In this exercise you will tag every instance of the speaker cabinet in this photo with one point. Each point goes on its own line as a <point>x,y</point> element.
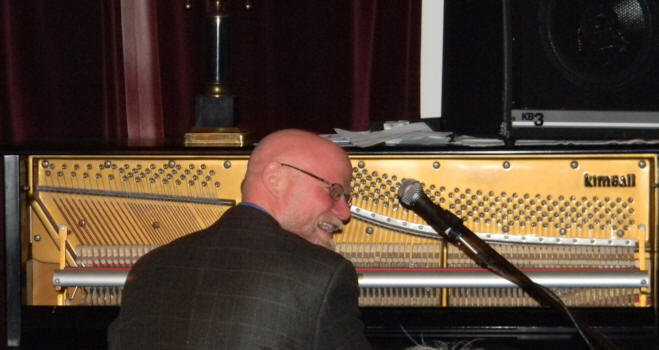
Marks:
<point>562,69</point>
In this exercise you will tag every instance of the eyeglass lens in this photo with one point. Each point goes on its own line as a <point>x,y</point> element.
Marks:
<point>337,192</point>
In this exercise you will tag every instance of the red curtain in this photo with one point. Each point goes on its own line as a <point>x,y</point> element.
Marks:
<point>60,63</point>
<point>310,64</point>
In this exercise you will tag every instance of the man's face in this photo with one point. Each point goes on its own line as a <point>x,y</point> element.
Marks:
<point>310,211</point>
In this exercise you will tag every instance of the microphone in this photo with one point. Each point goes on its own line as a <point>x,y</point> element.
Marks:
<point>451,227</point>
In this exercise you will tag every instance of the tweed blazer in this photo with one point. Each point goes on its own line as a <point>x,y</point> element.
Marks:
<point>242,283</point>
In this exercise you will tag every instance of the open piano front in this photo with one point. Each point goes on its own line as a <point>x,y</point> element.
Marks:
<point>580,222</point>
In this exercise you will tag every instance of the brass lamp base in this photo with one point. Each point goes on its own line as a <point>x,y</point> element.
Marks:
<point>217,137</point>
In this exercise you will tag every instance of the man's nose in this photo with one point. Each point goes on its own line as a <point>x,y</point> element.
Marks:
<point>341,209</point>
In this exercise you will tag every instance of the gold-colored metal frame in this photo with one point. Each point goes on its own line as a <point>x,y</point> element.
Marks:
<point>493,193</point>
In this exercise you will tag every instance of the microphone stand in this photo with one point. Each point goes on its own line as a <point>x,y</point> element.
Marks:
<point>452,229</point>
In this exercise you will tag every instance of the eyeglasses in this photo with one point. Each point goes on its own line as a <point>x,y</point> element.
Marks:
<point>336,191</point>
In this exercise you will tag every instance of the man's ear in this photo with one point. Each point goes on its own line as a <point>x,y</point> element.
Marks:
<point>274,180</point>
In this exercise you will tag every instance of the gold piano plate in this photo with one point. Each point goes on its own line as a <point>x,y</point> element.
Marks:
<point>561,213</point>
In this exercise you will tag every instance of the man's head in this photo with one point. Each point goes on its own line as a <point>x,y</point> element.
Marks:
<point>294,175</point>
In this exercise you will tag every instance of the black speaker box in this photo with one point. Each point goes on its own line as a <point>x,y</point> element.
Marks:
<point>551,69</point>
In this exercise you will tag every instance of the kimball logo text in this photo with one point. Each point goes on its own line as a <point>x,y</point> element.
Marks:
<point>628,180</point>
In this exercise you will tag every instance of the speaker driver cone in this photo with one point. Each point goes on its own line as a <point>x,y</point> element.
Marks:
<point>600,45</point>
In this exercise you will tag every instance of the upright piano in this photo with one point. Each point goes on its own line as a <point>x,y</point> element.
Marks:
<point>580,221</point>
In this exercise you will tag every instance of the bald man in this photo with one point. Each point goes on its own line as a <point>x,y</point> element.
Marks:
<point>265,275</point>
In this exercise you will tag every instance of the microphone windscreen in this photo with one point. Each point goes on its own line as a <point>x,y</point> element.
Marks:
<point>409,191</point>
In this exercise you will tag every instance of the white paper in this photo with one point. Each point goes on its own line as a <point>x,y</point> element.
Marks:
<point>466,140</point>
<point>413,133</point>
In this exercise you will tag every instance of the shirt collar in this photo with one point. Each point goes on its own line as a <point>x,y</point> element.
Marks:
<point>252,205</point>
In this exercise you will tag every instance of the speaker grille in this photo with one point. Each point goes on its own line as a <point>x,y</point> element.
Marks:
<point>600,45</point>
